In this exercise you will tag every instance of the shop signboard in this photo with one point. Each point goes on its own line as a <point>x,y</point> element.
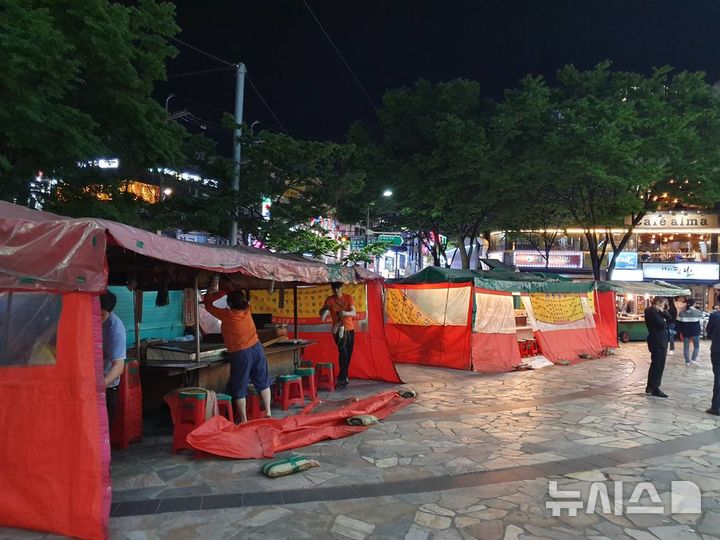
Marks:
<point>682,271</point>
<point>558,259</point>
<point>690,219</point>
<point>626,275</point>
<point>627,260</point>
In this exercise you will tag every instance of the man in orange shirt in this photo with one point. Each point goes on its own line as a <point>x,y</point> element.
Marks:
<point>341,307</point>
<point>247,357</point>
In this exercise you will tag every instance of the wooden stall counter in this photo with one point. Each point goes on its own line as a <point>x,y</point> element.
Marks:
<point>173,365</point>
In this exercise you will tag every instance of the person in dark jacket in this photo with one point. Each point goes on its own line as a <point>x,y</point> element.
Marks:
<point>657,342</point>
<point>713,332</point>
<point>689,322</point>
<point>671,314</point>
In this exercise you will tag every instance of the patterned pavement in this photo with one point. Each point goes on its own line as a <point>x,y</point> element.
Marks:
<point>471,458</point>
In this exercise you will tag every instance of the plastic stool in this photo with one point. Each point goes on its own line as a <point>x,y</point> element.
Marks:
<point>289,391</point>
<point>225,407</point>
<point>307,374</point>
<point>190,415</point>
<point>253,404</point>
<point>325,379</point>
<point>306,364</point>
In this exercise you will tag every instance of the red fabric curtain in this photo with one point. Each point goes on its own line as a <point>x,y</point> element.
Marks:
<point>55,451</point>
<point>606,318</point>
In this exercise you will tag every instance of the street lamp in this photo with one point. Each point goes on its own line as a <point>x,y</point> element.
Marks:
<point>386,193</point>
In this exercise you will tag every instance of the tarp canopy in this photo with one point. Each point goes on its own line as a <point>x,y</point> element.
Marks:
<point>496,280</point>
<point>44,251</point>
<point>654,288</point>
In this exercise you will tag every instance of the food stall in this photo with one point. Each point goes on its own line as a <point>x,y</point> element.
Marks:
<point>53,268</point>
<point>631,300</point>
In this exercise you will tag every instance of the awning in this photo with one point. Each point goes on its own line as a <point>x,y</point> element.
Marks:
<point>44,251</point>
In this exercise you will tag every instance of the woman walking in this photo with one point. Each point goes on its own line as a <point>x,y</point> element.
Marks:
<point>689,322</point>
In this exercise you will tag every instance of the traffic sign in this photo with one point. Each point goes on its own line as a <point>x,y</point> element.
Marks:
<point>392,239</point>
<point>357,242</point>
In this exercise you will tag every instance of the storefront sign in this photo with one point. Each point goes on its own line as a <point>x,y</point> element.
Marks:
<point>558,259</point>
<point>626,275</point>
<point>627,260</point>
<point>678,220</point>
<point>684,271</point>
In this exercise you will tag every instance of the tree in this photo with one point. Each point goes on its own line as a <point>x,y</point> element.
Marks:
<point>76,79</point>
<point>622,144</point>
<point>432,142</point>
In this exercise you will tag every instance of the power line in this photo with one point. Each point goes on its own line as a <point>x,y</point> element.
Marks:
<point>266,105</point>
<point>341,56</point>
<point>209,55</point>
<point>191,73</point>
<point>201,104</point>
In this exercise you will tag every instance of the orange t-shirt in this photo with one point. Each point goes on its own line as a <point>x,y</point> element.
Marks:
<point>238,327</point>
<point>336,305</point>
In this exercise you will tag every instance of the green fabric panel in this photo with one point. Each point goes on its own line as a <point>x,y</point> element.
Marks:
<point>164,322</point>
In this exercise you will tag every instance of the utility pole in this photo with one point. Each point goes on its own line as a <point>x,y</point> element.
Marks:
<point>239,96</point>
<point>367,230</point>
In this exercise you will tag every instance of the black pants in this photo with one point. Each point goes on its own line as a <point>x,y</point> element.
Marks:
<point>715,359</point>
<point>345,354</point>
<point>657,366</point>
<point>111,399</point>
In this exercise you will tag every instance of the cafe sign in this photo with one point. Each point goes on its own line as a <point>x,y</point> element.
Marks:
<point>684,271</point>
<point>678,220</point>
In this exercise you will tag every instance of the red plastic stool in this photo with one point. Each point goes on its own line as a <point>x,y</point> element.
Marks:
<point>289,391</point>
<point>307,374</point>
<point>190,414</point>
<point>253,405</point>
<point>225,407</point>
<point>325,376</point>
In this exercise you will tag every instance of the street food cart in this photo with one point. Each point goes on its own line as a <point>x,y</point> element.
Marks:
<point>631,300</point>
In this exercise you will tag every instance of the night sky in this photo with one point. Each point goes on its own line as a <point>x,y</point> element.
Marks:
<point>392,43</point>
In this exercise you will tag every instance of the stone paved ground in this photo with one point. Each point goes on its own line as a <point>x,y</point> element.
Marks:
<point>471,458</point>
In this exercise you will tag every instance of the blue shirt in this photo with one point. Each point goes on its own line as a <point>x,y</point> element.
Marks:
<point>114,344</point>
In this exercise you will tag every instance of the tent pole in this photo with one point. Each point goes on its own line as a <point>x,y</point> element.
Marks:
<point>137,316</point>
<point>197,317</point>
<point>295,311</point>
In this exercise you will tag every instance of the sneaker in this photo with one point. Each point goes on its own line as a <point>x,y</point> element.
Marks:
<point>648,390</point>
<point>713,411</point>
<point>658,393</point>
<point>671,352</point>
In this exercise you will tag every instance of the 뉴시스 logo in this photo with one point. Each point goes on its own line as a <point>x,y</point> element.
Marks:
<point>685,498</point>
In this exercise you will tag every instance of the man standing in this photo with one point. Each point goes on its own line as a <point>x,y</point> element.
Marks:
<point>657,342</point>
<point>713,332</point>
<point>341,308</point>
<point>114,351</point>
<point>246,353</point>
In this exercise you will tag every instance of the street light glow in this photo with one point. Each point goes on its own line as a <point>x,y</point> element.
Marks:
<point>167,191</point>
<point>387,193</point>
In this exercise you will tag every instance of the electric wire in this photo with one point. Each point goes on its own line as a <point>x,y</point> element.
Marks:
<point>340,54</point>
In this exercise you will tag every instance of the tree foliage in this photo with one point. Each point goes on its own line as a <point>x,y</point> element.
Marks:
<point>75,81</point>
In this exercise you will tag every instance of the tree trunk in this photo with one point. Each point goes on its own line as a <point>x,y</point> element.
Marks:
<point>594,259</point>
<point>624,240</point>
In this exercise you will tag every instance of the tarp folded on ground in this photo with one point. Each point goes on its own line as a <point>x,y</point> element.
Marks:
<point>264,438</point>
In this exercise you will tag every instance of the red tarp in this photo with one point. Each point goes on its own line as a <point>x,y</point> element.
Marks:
<point>55,452</point>
<point>263,438</point>
<point>67,246</point>
<point>606,318</point>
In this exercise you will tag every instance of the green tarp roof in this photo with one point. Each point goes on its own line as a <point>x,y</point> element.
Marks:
<point>496,280</point>
<point>655,288</point>
<point>501,280</point>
